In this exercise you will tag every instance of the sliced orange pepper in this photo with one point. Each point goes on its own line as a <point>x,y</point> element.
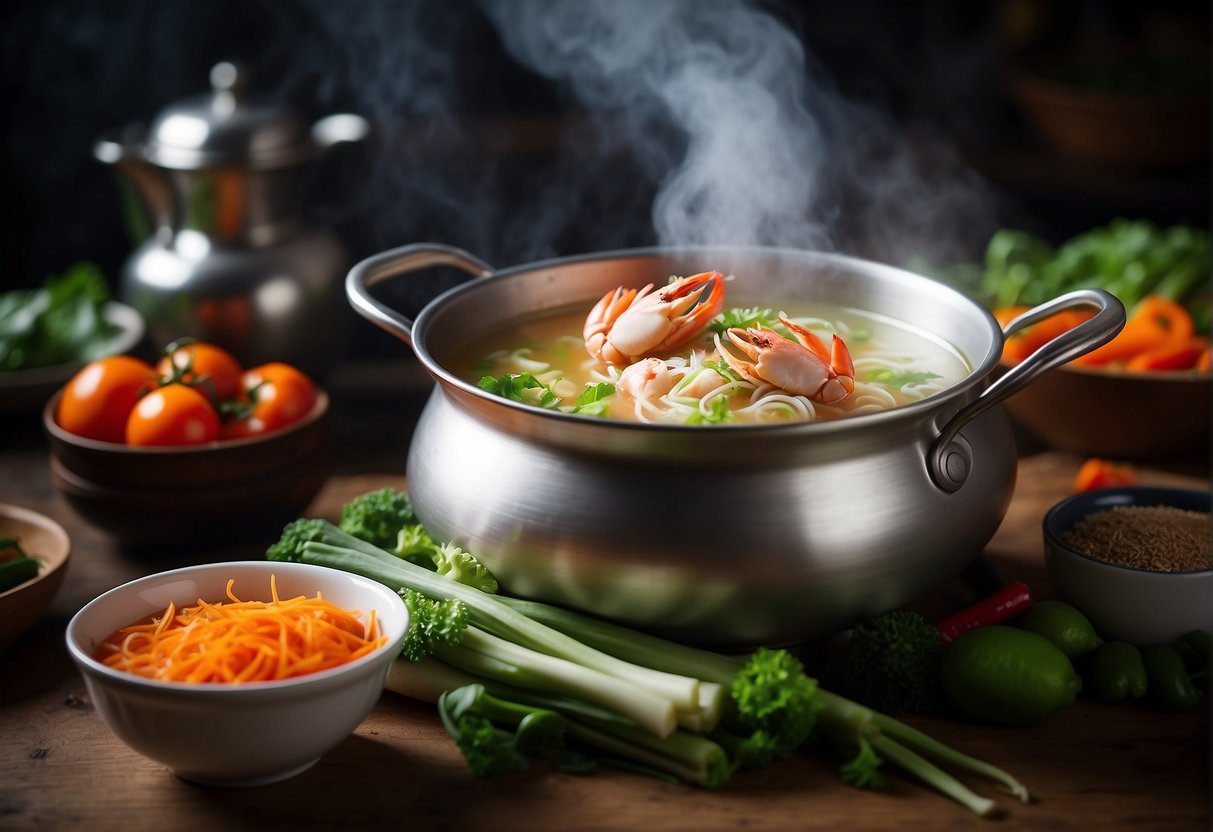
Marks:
<point>1025,342</point>
<point>1156,322</point>
<point>1183,356</point>
<point>1101,473</point>
<point>1203,363</point>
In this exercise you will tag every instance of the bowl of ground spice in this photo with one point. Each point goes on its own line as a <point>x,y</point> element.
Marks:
<point>1136,560</point>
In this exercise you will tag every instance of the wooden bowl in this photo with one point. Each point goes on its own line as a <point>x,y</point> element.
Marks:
<point>1118,414</point>
<point>1116,130</point>
<point>226,493</point>
<point>43,538</point>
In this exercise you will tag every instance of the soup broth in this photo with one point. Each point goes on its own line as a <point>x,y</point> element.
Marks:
<point>543,360</point>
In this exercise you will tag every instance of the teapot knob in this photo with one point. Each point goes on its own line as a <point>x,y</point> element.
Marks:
<point>228,76</point>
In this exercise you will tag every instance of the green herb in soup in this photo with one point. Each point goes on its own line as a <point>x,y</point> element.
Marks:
<point>746,365</point>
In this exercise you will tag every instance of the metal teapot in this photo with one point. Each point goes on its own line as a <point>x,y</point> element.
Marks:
<point>230,260</point>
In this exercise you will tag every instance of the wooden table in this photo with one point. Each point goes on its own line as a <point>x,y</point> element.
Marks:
<point>1091,767</point>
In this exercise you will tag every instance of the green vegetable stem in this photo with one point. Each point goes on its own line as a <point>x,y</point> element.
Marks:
<point>509,674</point>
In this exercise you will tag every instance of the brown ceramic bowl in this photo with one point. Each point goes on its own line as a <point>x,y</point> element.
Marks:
<point>1118,414</point>
<point>226,493</point>
<point>40,537</point>
<point>1117,130</point>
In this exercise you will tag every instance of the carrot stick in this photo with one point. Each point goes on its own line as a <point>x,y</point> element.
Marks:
<point>1101,473</point>
<point>1156,322</point>
<point>1170,356</point>
<point>1028,340</point>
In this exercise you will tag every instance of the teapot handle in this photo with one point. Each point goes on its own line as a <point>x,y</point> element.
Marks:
<point>124,152</point>
<point>396,262</point>
<point>949,458</point>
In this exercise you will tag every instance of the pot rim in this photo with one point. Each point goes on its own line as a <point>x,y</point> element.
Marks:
<point>910,411</point>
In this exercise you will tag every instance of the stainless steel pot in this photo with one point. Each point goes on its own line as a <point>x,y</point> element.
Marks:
<point>726,535</point>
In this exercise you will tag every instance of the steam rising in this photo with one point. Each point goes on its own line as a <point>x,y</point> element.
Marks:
<point>771,153</point>
<point>693,122</point>
<point>726,80</point>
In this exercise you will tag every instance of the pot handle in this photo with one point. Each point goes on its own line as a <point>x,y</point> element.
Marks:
<point>950,457</point>
<point>393,263</point>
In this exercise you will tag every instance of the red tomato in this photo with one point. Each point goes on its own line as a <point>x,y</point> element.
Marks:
<point>172,415</point>
<point>99,398</point>
<point>278,395</point>
<point>218,369</point>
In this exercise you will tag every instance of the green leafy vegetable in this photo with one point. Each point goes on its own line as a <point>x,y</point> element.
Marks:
<point>889,377</point>
<point>62,322</point>
<point>718,413</point>
<point>743,318</point>
<point>1129,258</point>
<point>516,386</point>
<point>593,399</point>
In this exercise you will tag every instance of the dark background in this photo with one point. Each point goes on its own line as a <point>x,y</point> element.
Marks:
<point>467,141</point>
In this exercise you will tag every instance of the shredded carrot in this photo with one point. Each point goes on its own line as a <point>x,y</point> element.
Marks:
<point>241,641</point>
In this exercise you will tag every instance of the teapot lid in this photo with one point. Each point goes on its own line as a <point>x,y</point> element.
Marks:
<point>227,128</point>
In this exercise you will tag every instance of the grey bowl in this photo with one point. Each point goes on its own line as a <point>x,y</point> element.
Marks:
<point>1123,603</point>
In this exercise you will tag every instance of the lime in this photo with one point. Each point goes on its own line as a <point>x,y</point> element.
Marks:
<point>1063,625</point>
<point>1008,675</point>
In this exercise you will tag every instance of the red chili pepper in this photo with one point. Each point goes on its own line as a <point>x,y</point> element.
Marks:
<point>1003,605</point>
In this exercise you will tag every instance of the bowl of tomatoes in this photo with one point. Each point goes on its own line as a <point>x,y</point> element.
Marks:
<point>192,451</point>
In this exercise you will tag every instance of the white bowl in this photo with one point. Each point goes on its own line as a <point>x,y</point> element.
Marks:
<point>236,735</point>
<point>1123,603</point>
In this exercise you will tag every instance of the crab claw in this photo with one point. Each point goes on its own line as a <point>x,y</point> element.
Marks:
<point>627,324</point>
<point>804,367</point>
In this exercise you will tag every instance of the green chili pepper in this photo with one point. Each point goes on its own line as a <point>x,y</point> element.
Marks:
<point>1197,650</point>
<point>1116,672</point>
<point>1171,688</point>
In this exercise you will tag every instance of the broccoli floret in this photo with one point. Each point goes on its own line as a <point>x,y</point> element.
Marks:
<point>432,622</point>
<point>460,566</point>
<point>414,544</point>
<point>891,664</point>
<point>378,516</point>
<point>478,722</point>
<point>777,703</point>
<point>863,772</point>
<point>298,533</point>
